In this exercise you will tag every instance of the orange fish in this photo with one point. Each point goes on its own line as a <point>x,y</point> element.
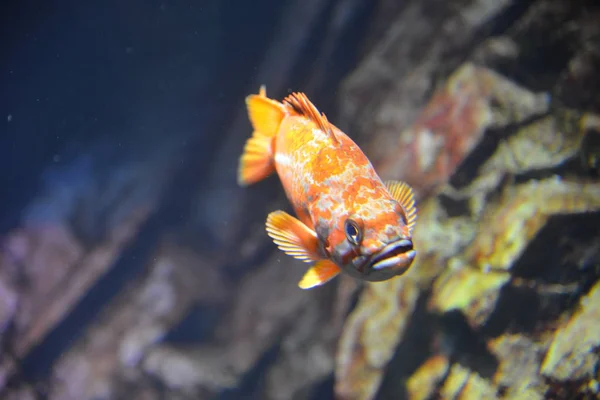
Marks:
<point>348,219</point>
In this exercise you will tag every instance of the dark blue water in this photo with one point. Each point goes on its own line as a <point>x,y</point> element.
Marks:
<point>89,88</point>
<point>74,73</point>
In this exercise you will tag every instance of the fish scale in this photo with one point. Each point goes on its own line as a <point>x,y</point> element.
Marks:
<point>348,219</point>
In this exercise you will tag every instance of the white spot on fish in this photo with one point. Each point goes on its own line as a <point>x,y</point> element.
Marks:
<point>282,159</point>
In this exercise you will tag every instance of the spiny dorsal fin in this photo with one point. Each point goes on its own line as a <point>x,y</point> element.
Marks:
<point>302,105</point>
<point>404,195</point>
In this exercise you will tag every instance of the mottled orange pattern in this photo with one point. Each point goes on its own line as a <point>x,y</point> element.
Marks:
<point>331,185</point>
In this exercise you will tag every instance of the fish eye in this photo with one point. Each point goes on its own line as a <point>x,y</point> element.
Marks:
<point>353,232</point>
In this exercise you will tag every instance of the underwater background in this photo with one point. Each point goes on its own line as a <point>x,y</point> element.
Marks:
<point>133,266</point>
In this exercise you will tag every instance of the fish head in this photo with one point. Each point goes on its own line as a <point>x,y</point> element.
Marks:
<point>373,243</point>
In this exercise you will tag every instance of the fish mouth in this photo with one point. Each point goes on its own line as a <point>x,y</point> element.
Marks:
<point>397,255</point>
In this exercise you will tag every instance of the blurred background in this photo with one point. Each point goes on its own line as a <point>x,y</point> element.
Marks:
<point>132,266</point>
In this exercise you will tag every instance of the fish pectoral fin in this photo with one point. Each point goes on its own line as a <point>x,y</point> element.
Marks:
<point>404,195</point>
<point>292,236</point>
<point>322,272</point>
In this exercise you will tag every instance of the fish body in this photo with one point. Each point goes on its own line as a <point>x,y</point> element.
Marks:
<point>347,218</point>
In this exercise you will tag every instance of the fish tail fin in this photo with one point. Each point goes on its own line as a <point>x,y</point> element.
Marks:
<point>256,162</point>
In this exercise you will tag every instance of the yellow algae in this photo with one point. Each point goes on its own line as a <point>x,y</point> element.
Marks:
<point>460,289</point>
<point>422,384</point>
<point>571,354</point>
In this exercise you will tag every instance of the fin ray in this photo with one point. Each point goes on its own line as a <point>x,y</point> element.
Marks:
<point>265,114</point>
<point>256,162</point>
<point>302,105</point>
<point>403,194</point>
<point>322,272</point>
<point>292,236</point>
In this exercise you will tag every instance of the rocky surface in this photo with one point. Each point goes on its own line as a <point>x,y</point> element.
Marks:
<point>145,272</point>
<point>500,155</point>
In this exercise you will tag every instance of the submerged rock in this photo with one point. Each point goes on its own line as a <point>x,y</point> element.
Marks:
<point>489,109</point>
<point>496,155</point>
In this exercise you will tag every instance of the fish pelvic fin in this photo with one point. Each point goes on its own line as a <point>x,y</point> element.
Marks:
<point>292,236</point>
<point>404,195</point>
<point>322,272</point>
<point>303,106</point>
<point>256,162</point>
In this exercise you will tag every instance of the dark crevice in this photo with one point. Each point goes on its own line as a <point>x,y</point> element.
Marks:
<point>516,311</point>
<point>588,158</point>
<point>554,255</point>
<point>197,326</point>
<point>454,207</point>
<point>470,166</point>
<point>466,346</point>
<point>253,382</point>
<point>410,353</point>
<point>548,279</point>
<point>546,46</point>
<point>324,389</point>
<point>499,24</point>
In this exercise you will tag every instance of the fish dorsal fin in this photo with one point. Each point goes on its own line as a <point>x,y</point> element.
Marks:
<point>303,106</point>
<point>404,195</point>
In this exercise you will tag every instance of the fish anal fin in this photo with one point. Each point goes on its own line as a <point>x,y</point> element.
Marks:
<point>292,236</point>
<point>403,194</point>
<point>303,106</point>
<point>322,272</point>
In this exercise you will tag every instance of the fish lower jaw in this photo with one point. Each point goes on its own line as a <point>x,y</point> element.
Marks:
<point>394,259</point>
<point>398,250</point>
<point>396,263</point>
